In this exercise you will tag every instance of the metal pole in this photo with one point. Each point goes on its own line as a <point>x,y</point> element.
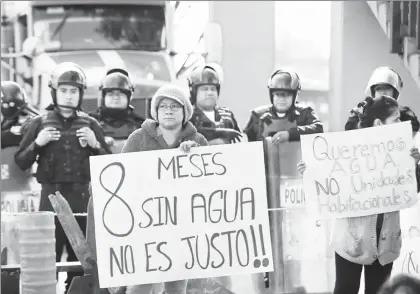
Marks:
<point>11,63</point>
<point>37,253</point>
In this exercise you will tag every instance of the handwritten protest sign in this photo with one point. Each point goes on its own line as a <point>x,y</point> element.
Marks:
<point>360,172</point>
<point>409,261</point>
<point>165,215</point>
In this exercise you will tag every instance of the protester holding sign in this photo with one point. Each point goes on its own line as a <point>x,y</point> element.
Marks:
<point>170,126</point>
<point>284,119</point>
<point>406,114</point>
<point>354,238</point>
<point>171,111</point>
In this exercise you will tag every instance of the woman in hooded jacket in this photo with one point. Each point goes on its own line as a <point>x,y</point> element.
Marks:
<point>169,128</point>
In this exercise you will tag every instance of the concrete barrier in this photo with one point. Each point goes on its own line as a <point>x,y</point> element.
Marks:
<point>37,253</point>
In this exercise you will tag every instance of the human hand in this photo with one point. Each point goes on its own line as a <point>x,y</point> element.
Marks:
<point>86,135</point>
<point>280,137</point>
<point>414,152</point>
<point>301,167</point>
<point>47,135</point>
<point>187,145</point>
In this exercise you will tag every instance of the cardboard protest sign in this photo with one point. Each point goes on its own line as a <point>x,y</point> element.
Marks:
<point>409,260</point>
<point>361,172</point>
<point>165,215</point>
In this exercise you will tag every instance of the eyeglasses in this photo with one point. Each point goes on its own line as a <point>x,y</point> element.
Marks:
<point>172,107</point>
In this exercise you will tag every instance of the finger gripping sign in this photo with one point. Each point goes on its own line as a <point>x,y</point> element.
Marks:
<point>166,215</point>
<point>361,172</point>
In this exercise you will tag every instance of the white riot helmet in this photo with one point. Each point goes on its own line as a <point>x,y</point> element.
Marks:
<point>218,69</point>
<point>67,73</point>
<point>384,76</point>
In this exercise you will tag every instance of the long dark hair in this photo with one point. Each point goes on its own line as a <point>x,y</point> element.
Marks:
<point>406,114</point>
<point>379,108</point>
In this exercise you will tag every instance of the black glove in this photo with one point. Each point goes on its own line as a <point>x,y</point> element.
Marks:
<point>231,135</point>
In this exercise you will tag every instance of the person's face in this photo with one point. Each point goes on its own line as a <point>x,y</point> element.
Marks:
<point>383,89</point>
<point>170,113</point>
<point>116,99</point>
<point>207,97</point>
<point>68,95</point>
<point>282,100</point>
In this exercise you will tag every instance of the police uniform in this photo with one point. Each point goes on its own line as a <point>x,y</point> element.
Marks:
<point>15,113</point>
<point>17,186</point>
<point>380,76</point>
<point>265,122</point>
<point>11,132</point>
<point>117,123</point>
<point>63,165</point>
<point>223,119</point>
<point>297,120</point>
<point>224,126</point>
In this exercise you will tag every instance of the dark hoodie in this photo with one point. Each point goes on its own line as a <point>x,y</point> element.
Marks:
<point>147,138</point>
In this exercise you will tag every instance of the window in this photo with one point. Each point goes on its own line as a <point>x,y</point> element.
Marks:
<point>78,27</point>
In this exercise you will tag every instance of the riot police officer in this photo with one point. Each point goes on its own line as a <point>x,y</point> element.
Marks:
<point>61,141</point>
<point>216,123</point>
<point>284,119</point>
<point>115,114</point>
<point>15,111</point>
<point>18,190</point>
<point>383,81</point>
